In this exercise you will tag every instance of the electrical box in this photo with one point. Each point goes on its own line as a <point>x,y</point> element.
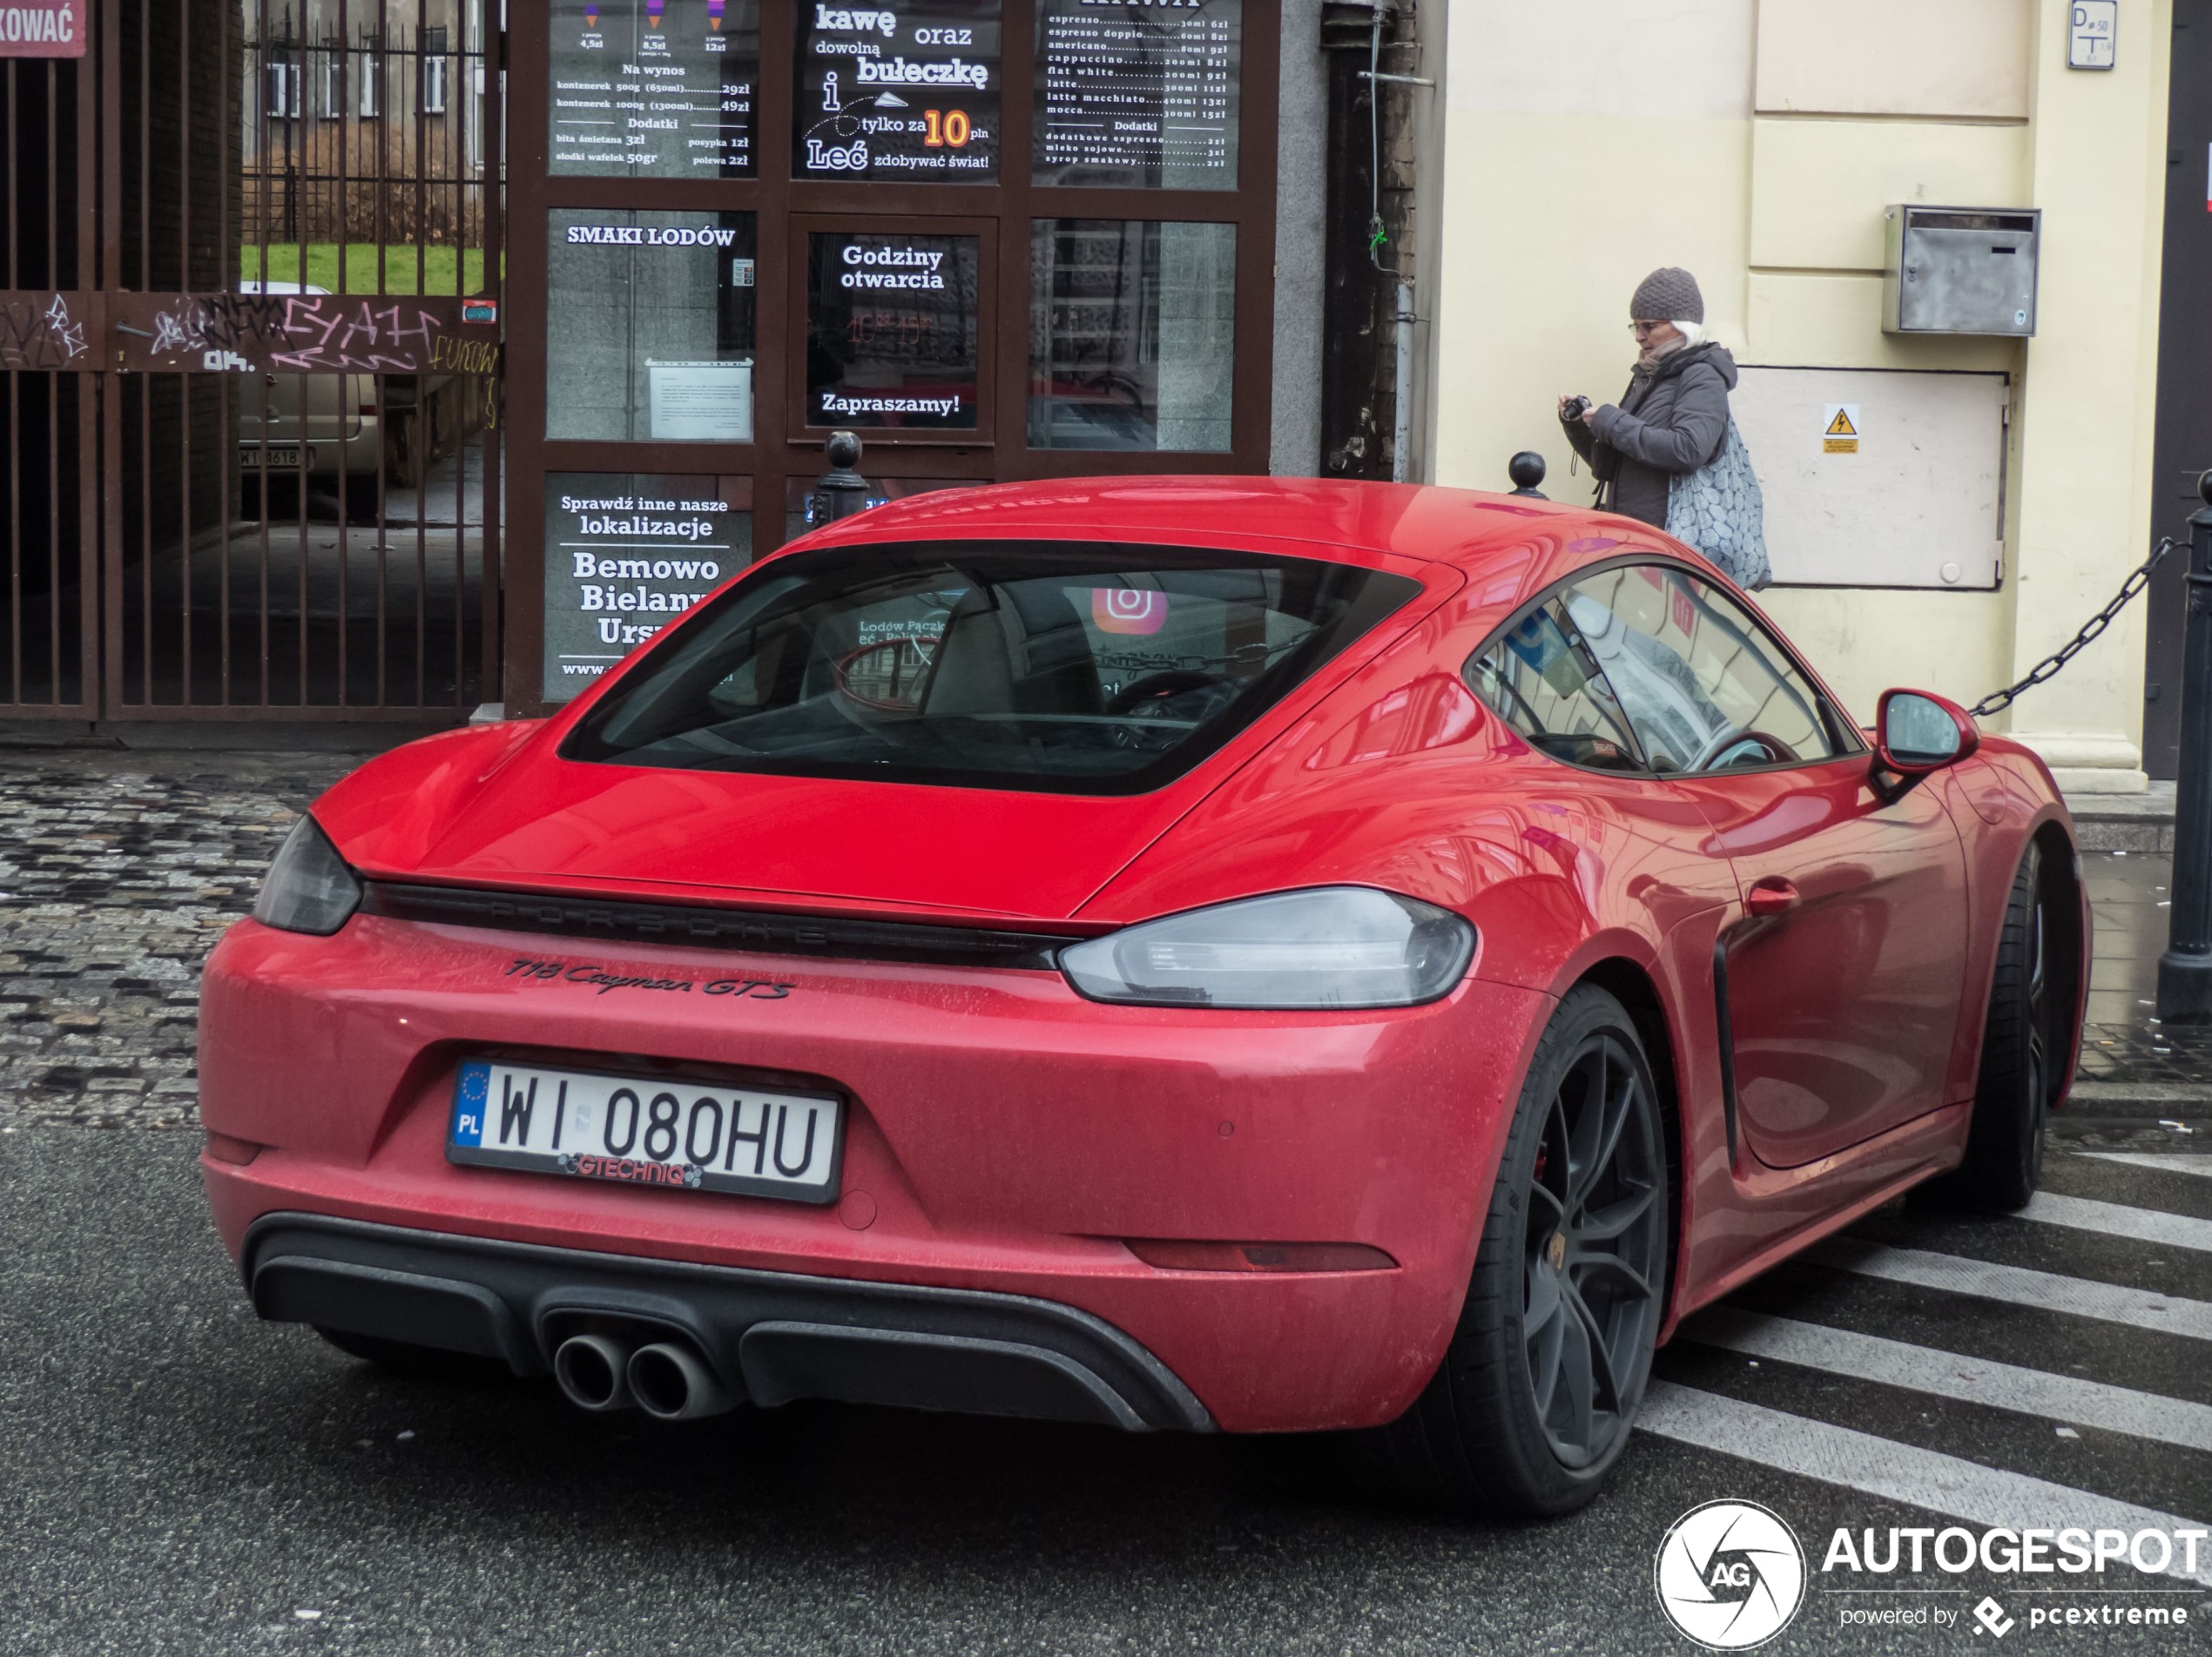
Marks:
<point>1960,270</point>
<point>1878,477</point>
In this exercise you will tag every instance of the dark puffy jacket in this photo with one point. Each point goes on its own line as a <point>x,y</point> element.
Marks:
<point>1671,420</point>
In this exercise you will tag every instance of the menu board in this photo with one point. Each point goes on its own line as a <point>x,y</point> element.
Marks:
<point>626,553</point>
<point>904,89</point>
<point>891,330</point>
<point>653,89</point>
<point>1138,94</point>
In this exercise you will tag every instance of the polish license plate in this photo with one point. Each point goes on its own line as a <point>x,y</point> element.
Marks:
<point>678,1136</point>
<point>278,459</point>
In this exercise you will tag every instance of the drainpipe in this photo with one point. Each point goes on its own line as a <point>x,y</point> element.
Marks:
<point>1401,445</point>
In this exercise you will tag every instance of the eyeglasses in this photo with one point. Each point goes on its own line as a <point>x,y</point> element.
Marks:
<point>1642,328</point>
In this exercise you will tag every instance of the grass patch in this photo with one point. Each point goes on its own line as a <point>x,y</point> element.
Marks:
<point>438,268</point>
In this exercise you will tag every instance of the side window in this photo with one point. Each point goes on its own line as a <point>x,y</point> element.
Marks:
<point>1540,679</point>
<point>1704,687</point>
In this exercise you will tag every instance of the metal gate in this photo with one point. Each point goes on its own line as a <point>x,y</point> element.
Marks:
<point>250,338</point>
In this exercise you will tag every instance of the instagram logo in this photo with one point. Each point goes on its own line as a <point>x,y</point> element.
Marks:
<point>1124,609</point>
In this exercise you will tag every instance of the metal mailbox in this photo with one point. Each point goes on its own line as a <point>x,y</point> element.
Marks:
<point>1960,270</point>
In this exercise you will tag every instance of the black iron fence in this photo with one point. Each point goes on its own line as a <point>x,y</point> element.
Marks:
<point>250,328</point>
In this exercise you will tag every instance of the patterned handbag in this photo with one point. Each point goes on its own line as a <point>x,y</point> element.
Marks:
<point>1718,510</point>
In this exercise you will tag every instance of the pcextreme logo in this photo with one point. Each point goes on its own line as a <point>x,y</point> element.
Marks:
<point>1729,1575</point>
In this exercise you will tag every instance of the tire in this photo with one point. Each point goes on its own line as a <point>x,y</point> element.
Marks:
<point>1520,1420</point>
<point>416,1362</point>
<point>2027,1036</point>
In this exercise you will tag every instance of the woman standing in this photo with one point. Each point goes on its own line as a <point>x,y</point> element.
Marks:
<point>1667,453</point>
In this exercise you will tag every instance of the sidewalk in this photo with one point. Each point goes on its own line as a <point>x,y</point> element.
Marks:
<point>117,873</point>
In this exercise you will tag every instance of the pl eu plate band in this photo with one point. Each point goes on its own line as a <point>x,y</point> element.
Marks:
<point>775,1337</point>
<point>760,931</point>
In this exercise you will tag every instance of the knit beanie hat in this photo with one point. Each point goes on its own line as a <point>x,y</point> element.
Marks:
<point>1668,294</point>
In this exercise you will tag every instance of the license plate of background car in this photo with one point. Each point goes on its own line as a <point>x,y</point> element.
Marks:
<point>677,1136</point>
<point>277,459</point>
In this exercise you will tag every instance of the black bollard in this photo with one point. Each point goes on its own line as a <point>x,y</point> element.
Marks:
<point>841,491</point>
<point>2185,970</point>
<point>1527,471</point>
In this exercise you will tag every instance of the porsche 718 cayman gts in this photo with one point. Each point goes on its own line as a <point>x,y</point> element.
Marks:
<point>1202,954</point>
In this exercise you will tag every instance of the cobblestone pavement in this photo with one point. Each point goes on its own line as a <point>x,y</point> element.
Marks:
<point>117,873</point>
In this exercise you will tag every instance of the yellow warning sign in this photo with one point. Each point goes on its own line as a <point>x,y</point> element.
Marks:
<point>1839,433</point>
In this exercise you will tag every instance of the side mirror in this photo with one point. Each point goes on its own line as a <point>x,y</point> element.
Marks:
<point>1916,733</point>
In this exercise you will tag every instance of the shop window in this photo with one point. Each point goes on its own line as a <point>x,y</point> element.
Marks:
<point>643,90</point>
<point>1132,334</point>
<point>650,325</point>
<point>893,330</point>
<point>897,90</point>
<point>626,554</point>
<point>1137,96</point>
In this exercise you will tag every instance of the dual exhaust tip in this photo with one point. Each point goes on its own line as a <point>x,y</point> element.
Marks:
<point>667,1380</point>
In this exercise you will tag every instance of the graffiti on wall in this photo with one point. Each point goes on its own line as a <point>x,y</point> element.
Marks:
<point>302,333</point>
<point>39,333</point>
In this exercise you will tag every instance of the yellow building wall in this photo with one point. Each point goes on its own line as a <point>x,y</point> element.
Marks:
<point>1757,143</point>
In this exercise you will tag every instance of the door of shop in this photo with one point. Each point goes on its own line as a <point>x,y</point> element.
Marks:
<point>249,330</point>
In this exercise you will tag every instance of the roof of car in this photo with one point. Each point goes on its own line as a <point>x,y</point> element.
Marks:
<point>1442,525</point>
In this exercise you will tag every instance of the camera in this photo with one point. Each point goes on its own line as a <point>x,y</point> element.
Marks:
<point>1575,409</point>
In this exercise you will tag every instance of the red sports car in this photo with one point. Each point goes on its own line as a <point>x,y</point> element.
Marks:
<point>1210,953</point>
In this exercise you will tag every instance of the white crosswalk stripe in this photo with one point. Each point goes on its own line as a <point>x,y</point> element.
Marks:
<point>1880,1467</point>
<point>1982,1300</point>
<point>1951,1375</point>
<point>2016,1285</point>
<point>2199,1166</point>
<point>2153,1226</point>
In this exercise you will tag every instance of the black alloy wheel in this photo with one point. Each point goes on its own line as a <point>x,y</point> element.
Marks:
<point>1538,1388</point>
<point>1595,1245</point>
<point>2027,1041</point>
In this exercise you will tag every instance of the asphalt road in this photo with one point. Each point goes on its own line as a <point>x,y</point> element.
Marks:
<point>177,1478</point>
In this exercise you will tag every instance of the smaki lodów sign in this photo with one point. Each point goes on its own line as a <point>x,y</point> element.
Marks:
<point>41,28</point>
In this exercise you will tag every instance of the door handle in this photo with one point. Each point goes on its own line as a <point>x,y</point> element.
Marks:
<point>1772,896</point>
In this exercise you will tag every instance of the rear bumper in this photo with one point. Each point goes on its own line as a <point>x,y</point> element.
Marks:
<point>1003,1137</point>
<point>773,1338</point>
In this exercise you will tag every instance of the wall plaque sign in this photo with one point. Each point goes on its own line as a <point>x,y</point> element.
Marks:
<point>1138,94</point>
<point>904,89</point>
<point>653,89</point>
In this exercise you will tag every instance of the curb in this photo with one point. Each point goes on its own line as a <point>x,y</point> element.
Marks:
<point>2149,1100</point>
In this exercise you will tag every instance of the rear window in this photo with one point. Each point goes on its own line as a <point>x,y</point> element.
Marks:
<point>1086,669</point>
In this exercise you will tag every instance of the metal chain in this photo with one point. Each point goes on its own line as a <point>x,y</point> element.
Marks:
<point>1998,701</point>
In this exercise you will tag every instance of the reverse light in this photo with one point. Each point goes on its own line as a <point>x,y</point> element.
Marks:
<point>309,887</point>
<point>1323,948</point>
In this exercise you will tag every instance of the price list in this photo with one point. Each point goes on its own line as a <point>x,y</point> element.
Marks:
<point>653,89</point>
<point>1138,93</point>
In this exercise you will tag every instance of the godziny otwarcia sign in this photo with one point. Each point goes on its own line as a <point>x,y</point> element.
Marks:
<point>42,29</point>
